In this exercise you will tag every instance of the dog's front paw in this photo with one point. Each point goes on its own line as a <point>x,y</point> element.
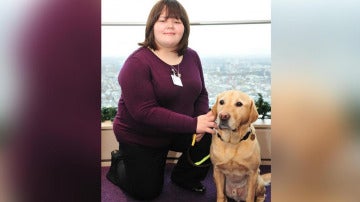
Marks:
<point>221,199</point>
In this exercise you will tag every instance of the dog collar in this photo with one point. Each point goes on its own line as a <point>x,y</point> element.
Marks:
<point>242,139</point>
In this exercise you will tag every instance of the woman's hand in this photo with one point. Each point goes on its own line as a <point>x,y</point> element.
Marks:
<point>205,124</point>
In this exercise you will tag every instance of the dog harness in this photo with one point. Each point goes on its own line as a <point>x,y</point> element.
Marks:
<point>242,139</point>
<point>219,136</point>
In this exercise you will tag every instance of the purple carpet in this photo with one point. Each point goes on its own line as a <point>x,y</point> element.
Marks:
<point>171,192</point>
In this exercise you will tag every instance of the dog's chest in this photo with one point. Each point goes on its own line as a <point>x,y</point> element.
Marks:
<point>236,184</point>
<point>233,156</point>
<point>236,179</point>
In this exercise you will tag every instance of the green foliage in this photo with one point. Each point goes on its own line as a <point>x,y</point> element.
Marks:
<point>263,107</point>
<point>108,113</point>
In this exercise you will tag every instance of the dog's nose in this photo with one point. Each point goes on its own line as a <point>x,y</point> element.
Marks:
<point>224,116</point>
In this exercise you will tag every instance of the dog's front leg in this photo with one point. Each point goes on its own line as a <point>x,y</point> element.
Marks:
<point>252,183</point>
<point>219,180</point>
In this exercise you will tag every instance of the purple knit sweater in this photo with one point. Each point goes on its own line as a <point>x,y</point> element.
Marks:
<point>152,110</point>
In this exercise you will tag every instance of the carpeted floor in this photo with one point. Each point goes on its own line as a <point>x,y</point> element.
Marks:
<point>171,192</point>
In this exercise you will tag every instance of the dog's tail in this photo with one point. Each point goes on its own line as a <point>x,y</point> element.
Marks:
<point>266,178</point>
<point>263,181</point>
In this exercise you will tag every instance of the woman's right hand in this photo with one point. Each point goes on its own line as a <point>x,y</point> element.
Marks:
<point>206,123</point>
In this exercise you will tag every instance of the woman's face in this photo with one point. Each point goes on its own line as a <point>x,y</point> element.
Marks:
<point>168,31</point>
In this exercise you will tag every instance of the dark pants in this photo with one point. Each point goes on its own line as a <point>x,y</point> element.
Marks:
<point>140,171</point>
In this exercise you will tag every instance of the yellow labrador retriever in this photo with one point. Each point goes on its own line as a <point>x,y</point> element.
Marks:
<point>235,151</point>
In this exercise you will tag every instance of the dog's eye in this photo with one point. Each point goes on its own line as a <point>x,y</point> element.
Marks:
<point>221,102</point>
<point>238,104</point>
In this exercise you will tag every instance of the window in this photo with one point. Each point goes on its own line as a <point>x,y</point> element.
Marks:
<point>232,38</point>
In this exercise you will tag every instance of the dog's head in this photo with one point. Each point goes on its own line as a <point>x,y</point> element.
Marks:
<point>234,109</point>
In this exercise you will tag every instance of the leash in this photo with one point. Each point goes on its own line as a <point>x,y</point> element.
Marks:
<point>198,163</point>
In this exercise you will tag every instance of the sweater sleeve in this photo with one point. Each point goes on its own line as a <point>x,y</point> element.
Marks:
<point>140,100</point>
<point>202,103</point>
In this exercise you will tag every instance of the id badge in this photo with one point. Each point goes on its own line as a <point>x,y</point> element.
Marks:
<point>176,80</point>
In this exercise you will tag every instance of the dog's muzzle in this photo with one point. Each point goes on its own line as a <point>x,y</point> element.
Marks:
<point>224,121</point>
<point>224,125</point>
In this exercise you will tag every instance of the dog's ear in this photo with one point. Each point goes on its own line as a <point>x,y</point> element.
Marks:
<point>214,108</point>
<point>254,115</point>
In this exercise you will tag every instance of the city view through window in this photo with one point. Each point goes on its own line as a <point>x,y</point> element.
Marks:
<point>249,74</point>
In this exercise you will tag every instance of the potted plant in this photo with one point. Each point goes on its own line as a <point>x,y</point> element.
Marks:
<point>263,107</point>
<point>108,113</point>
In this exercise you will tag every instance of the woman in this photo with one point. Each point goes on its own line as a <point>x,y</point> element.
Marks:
<point>163,103</point>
